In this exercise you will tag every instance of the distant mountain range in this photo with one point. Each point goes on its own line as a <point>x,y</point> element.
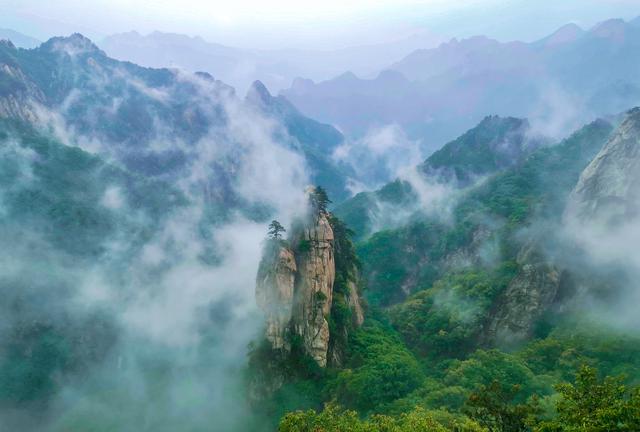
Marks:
<point>18,39</point>
<point>240,67</point>
<point>560,81</point>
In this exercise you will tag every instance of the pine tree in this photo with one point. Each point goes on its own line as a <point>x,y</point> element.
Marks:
<point>276,230</point>
<point>320,199</point>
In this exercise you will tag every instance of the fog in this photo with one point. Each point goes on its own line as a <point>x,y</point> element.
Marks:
<point>167,308</point>
<point>134,201</point>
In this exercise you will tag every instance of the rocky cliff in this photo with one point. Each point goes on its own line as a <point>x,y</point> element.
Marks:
<point>529,295</point>
<point>295,289</point>
<point>609,188</point>
<point>314,287</point>
<point>18,95</point>
<point>274,292</point>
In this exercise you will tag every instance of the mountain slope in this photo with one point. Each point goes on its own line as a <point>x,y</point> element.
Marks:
<point>609,187</point>
<point>317,141</point>
<point>445,90</point>
<point>400,260</point>
<point>154,121</point>
<point>240,67</point>
<point>19,39</point>
<point>495,144</point>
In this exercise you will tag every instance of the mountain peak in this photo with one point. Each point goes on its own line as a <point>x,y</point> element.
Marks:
<point>346,76</point>
<point>74,44</point>
<point>7,44</point>
<point>565,34</point>
<point>259,92</point>
<point>205,76</point>
<point>613,28</point>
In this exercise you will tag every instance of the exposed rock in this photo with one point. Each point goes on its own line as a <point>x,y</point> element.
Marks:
<point>529,295</point>
<point>19,99</point>
<point>355,304</point>
<point>314,288</point>
<point>274,292</point>
<point>609,188</point>
<point>295,289</point>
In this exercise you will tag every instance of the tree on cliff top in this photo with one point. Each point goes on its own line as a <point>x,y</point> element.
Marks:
<point>276,230</point>
<point>319,199</point>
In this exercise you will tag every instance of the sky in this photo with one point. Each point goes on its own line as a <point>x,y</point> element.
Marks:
<point>314,24</point>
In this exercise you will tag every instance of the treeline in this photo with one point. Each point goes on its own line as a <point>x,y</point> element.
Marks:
<point>589,404</point>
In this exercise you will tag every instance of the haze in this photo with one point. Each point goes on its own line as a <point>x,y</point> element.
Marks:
<point>309,24</point>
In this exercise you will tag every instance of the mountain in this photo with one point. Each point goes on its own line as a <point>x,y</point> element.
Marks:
<point>439,93</point>
<point>134,108</point>
<point>566,34</point>
<point>494,145</point>
<point>401,258</point>
<point>608,188</point>
<point>133,203</point>
<point>19,39</point>
<point>496,294</point>
<point>304,282</point>
<point>240,67</point>
<point>492,287</point>
<point>317,141</point>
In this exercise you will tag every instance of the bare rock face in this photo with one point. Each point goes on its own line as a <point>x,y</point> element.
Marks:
<point>609,188</point>
<point>20,101</point>
<point>274,293</point>
<point>314,288</point>
<point>531,293</point>
<point>355,305</point>
<point>295,288</point>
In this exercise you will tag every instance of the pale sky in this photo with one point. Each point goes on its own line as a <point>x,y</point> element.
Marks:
<point>308,24</point>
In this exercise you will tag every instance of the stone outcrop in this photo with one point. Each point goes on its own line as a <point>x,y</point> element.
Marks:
<point>314,288</point>
<point>355,304</point>
<point>609,188</point>
<point>295,289</point>
<point>274,292</point>
<point>21,97</point>
<point>529,295</point>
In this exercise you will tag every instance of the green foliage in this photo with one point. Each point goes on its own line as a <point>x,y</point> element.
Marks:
<point>444,321</point>
<point>494,408</point>
<point>37,356</point>
<point>414,256</point>
<point>380,370</point>
<point>333,419</point>
<point>319,199</point>
<point>541,183</point>
<point>276,230</point>
<point>304,246</point>
<point>391,257</point>
<point>59,190</point>
<point>482,150</point>
<point>341,323</point>
<point>595,405</point>
<point>573,344</point>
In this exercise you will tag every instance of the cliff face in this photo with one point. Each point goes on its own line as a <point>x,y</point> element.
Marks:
<point>609,188</point>
<point>18,95</point>
<point>529,295</point>
<point>314,288</point>
<point>295,289</point>
<point>274,292</point>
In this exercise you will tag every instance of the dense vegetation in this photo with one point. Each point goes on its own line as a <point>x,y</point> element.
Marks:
<point>420,362</point>
<point>410,258</point>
